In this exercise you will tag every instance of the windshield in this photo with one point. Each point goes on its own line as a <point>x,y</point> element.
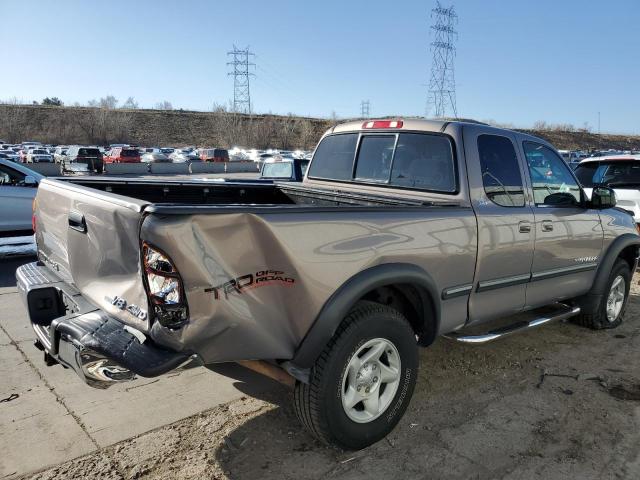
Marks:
<point>615,173</point>
<point>278,170</point>
<point>39,152</point>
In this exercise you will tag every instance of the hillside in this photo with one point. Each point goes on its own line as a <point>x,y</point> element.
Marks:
<point>86,125</point>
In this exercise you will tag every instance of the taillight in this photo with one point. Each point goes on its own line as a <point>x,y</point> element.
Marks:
<point>383,124</point>
<point>164,287</point>
<point>33,215</point>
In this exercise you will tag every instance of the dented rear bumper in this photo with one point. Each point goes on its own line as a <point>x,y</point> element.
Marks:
<point>73,332</point>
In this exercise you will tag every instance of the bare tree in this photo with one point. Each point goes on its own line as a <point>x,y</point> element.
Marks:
<point>108,102</point>
<point>164,105</point>
<point>130,104</point>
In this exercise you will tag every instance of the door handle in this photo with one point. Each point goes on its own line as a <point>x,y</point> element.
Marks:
<point>524,226</point>
<point>547,226</point>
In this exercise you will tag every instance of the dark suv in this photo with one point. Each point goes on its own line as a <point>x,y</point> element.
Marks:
<point>90,156</point>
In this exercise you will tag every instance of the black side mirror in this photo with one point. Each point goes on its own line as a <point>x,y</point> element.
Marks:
<point>603,197</point>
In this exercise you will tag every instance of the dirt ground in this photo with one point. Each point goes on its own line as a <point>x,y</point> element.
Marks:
<point>558,402</point>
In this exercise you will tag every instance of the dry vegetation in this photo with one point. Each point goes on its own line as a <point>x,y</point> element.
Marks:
<point>101,126</point>
<point>104,125</point>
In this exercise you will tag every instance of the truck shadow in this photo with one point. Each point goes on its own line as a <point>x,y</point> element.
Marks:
<point>477,412</point>
<point>8,268</point>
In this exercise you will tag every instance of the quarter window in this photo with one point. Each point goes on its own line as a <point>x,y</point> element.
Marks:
<point>500,171</point>
<point>551,180</point>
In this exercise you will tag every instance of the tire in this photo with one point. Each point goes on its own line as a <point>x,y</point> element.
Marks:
<point>598,317</point>
<point>319,404</point>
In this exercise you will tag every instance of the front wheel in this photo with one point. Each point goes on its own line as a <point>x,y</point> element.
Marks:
<point>361,384</point>
<point>609,311</point>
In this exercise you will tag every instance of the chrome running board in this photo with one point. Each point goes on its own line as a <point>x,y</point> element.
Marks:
<point>522,326</point>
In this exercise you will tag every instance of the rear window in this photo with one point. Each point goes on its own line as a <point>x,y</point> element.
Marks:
<point>130,153</point>
<point>411,160</point>
<point>91,152</point>
<point>220,152</point>
<point>39,152</point>
<point>333,159</point>
<point>618,173</point>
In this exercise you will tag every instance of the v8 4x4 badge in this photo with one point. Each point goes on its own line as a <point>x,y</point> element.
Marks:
<point>249,281</point>
<point>122,304</point>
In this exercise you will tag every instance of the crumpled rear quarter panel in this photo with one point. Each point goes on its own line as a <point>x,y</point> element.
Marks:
<point>318,250</point>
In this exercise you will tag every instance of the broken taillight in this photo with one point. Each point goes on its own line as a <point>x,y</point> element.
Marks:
<point>164,287</point>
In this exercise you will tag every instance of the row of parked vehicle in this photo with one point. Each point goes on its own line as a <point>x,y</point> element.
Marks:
<point>93,158</point>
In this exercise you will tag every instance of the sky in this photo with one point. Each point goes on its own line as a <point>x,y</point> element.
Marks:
<point>517,61</point>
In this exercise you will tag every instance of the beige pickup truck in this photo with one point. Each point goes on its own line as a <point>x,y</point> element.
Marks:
<point>402,231</point>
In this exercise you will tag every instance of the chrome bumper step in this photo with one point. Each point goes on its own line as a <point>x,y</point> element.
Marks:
<point>564,312</point>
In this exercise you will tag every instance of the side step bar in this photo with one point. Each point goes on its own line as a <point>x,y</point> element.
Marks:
<point>522,326</point>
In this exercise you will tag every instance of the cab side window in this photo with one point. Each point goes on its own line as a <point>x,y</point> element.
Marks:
<point>551,180</point>
<point>500,171</point>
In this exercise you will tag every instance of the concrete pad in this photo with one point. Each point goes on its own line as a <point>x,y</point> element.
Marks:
<point>35,430</point>
<point>129,409</point>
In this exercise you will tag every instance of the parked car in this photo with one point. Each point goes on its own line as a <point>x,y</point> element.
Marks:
<point>292,170</point>
<point>155,158</point>
<point>393,238</point>
<point>18,186</point>
<point>122,155</point>
<point>59,153</point>
<point>622,173</point>
<point>214,155</point>
<point>184,156</point>
<point>10,154</point>
<point>38,155</point>
<point>78,155</point>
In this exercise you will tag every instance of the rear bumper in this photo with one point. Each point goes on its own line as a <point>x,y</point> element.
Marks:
<point>73,332</point>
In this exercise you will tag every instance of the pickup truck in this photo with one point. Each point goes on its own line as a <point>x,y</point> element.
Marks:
<point>292,170</point>
<point>402,231</point>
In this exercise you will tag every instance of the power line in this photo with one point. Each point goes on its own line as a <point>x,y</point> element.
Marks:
<point>364,108</point>
<point>442,84</point>
<point>240,70</point>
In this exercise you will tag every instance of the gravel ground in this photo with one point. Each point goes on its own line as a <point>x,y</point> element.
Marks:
<point>559,402</point>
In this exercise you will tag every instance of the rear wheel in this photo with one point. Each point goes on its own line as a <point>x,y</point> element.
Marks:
<point>361,384</point>
<point>609,311</point>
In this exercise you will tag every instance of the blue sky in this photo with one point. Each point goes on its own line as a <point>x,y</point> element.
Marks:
<point>518,61</point>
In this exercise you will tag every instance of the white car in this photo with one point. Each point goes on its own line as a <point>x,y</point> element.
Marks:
<point>620,172</point>
<point>39,155</point>
<point>59,153</point>
<point>18,187</point>
<point>10,155</point>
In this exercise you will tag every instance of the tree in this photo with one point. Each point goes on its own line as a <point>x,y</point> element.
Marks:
<point>53,102</point>
<point>164,105</point>
<point>130,104</point>
<point>109,102</point>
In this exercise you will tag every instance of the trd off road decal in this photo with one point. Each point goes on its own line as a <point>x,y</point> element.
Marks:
<point>249,281</point>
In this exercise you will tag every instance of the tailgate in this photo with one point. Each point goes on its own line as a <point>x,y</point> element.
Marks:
<point>91,239</point>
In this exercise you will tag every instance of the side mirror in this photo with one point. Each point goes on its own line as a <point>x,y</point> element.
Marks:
<point>30,181</point>
<point>603,197</point>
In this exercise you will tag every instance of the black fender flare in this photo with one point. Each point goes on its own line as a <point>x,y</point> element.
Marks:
<point>608,259</point>
<point>342,300</point>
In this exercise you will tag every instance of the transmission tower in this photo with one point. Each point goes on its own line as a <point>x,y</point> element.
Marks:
<point>240,70</point>
<point>364,108</point>
<point>442,84</point>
